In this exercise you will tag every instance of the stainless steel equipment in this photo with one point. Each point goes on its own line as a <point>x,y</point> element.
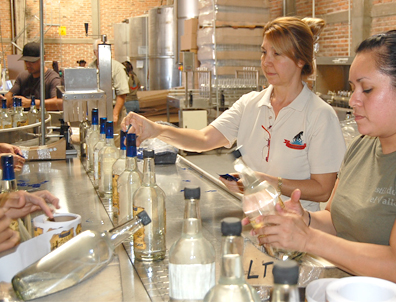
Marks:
<point>163,67</point>
<point>80,94</point>
<point>138,48</point>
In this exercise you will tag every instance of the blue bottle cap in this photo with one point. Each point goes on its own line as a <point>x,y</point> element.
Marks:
<point>103,121</point>
<point>109,129</point>
<point>122,140</point>
<point>33,101</point>
<point>131,145</point>
<point>4,103</point>
<point>7,163</point>
<point>95,116</point>
<point>14,102</point>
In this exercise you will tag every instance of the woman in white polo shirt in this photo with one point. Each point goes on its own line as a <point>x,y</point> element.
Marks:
<point>289,134</point>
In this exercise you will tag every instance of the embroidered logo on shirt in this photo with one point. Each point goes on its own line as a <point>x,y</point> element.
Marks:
<point>297,142</point>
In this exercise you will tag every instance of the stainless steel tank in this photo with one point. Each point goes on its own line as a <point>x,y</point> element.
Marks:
<point>138,48</point>
<point>121,42</point>
<point>163,67</point>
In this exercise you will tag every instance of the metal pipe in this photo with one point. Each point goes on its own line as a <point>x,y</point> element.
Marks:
<point>313,8</point>
<point>12,24</point>
<point>349,28</point>
<point>42,86</point>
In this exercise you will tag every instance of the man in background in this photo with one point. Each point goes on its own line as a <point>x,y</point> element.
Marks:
<point>27,83</point>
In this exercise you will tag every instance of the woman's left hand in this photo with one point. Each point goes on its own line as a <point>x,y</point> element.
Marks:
<point>285,230</point>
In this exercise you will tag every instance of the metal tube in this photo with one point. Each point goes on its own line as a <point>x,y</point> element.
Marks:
<point>42,86</point>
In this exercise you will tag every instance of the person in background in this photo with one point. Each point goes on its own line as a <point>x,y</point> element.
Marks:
<point>27,82</point>
<point>16,152</point>
<point>357,231</point>
<point>81,63</point>
<point>18,204</point>
<point>132,102</point>
<point>290,136</point>
<point>119,79</point>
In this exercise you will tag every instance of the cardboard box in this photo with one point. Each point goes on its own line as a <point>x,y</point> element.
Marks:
<point>230,55</point>
<point>190,26</point>
<point>250,3</point>
<point>196,62</point>
<point>188,42</point>
<point>228,35</point>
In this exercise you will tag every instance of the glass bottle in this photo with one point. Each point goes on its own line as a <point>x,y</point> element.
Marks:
<point>33,115</point>
<point>92,138</point>
<point>97,147</point>
<point>192,257</point>
<point>8,182</point>
<point>259,199</point>
<point>23,119</point>
<point>84,127</point>
<point>107,157</point>
<point>74,261</point>
<point>285,282</point>
<point>232,285</point>
<point>149,244</point>
<point>6,119</point>
<point>129,181</point>
<point>14,112</point>
<point>118,168</point>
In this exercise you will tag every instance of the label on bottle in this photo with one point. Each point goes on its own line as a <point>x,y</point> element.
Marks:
<point>14,225</point>
<point>22,123</point>
<point>58,239</point>
<point>116,195</point>
<point>138,237</point>
<point>191,281</point>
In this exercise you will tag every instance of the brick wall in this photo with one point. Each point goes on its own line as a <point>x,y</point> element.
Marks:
<point>73,13</point>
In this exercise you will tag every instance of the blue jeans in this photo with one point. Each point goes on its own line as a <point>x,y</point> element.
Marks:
<point>132,106</point>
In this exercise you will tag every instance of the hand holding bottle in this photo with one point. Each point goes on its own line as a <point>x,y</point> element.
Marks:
<point>287,229</point>
<point>141,126</point>
<point>21,203</point>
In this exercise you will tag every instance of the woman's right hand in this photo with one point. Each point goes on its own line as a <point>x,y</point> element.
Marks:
<point>8,237</point>
<point>141,126</point>
<point>232,185</point>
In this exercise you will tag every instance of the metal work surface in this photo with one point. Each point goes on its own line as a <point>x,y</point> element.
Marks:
<point>68,180</point>
<point>215,203</point>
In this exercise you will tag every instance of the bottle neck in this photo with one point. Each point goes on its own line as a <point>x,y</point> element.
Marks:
<point>122,153</point>
<point>121,233</point>
<point>231,260</point>
<point>102,136</point>
<point>249,177</point>
<point>192,218</point>
<point>9,186</point>
<point>131,163</point>
<point>148,172</point>
<point>110,141</point>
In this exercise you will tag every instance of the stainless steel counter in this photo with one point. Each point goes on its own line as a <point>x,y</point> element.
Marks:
<point>126,279</point>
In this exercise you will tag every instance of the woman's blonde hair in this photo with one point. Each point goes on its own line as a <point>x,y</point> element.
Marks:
<point>295,38</point>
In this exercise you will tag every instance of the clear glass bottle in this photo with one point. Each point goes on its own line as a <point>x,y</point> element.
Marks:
<point>6,119</point>
<point>150,244</point>
<point>91,138</point>
<point>192,270</point>
<point>97,147</point>
<point>232,285</point>
<point>14,112</point>
<point>8,182</point>
<point>285,282</point>
<point>118,168</point>
<point>129,181</point>
<point>259,199</point>
<point>22,118</point>
<point>84,127</point>
<point>74,261</point>
<point>33,115</point>
<point>107,157</point>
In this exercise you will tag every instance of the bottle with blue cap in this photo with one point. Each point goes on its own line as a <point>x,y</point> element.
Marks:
<point>6,118</point>
<point>119,165</point>
<point>33,115</point>
<point>232,285</point>
<point>149,244</point>
<point>128,182</point>
<point>97,147</point>
<point>8,182</point>
<point>107,157</point>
